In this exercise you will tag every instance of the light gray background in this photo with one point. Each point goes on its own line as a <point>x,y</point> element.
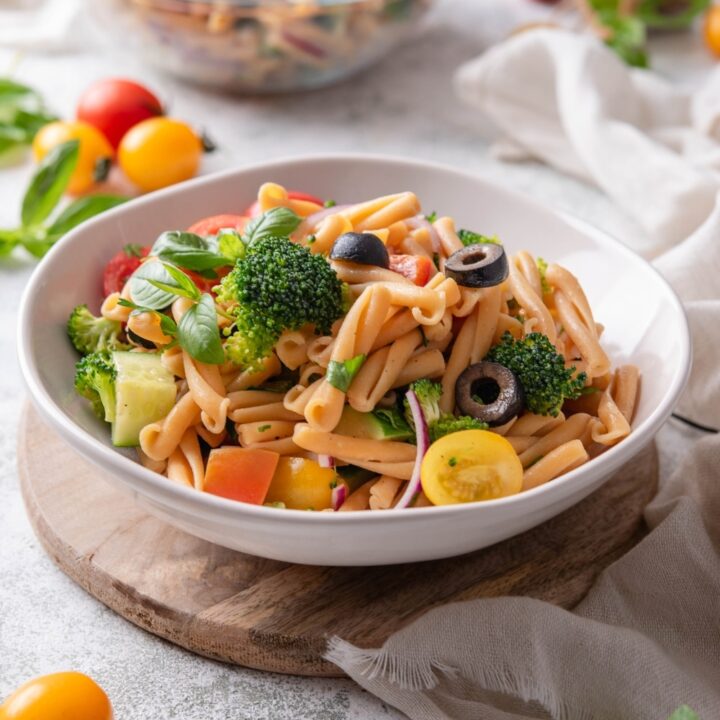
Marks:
<point>405,106</point>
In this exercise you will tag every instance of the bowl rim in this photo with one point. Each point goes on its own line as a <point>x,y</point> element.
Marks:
<point>147,482</point>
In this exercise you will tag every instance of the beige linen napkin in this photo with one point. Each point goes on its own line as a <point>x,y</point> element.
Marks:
<point>644,641</point>
<point>647,637</point>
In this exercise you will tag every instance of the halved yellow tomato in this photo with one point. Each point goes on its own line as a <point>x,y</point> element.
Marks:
<point>301,484</point>
<point>469,466</point>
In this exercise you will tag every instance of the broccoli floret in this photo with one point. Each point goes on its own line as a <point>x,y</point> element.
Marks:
<point>95,376</point>
<point>542,267</point>
<point>90,334</point>
<point>439,424</point>
<point>278,286</point>
<point>448,424</point>
<point>468,237</point>
<point>541,370</point>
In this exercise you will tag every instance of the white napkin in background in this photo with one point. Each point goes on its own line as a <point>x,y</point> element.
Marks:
<point>646,639</point>
<point>569,101</point>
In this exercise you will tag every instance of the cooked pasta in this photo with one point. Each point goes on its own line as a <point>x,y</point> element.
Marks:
<point>392,376</point>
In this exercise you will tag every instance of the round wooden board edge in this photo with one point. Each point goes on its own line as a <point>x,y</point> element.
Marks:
<point>145,613</point>
<point>152,616</point>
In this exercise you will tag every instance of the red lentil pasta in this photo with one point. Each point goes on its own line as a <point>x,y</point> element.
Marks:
<point>433,317</point>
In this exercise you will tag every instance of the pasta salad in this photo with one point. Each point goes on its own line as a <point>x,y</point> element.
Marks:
<point>315,356</point>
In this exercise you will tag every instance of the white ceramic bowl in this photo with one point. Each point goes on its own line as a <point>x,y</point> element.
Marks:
<point>644,322</point>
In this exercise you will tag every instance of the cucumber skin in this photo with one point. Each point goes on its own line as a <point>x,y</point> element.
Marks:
<point>141,378</point>
<point>367,425</point>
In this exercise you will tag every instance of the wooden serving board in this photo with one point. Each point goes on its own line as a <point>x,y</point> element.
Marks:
<point>275,616</point>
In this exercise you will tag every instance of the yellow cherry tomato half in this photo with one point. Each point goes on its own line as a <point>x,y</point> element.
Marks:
<point>94,158</point>
<point>469,466</point>
<point>61,696</point>
<point>301,484</point>
<point>711,29</point>
<point>159,152</point>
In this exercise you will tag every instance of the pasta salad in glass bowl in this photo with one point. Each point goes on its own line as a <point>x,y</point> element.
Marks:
<point>302,360</point>
<point>262,45</point>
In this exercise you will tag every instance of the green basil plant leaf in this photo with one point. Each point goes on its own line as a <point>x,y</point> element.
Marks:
<point>49,183</point>
<point>198,332</point>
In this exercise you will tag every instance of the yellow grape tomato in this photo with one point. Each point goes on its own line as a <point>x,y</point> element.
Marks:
<point>469,466</point>
<point>159,152</point>
<point>301,484</point>
<point>60,696</point>
<point>94,157</point>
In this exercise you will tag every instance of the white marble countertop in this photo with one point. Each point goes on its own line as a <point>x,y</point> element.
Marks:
<point>404,106</point>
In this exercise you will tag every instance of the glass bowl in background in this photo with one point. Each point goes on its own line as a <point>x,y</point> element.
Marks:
<point>262,45</point>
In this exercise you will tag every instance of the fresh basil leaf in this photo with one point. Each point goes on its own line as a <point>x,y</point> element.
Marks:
<point>144,293</point>
<point>182,284</point>
<point>167,324</point>
<point>230,245</point>
<point>31,121</point>
<point>49,182</point>
<point>277,222</point>
<point>198,332</point>
<point>188,250</point>
<point>341,374</point>
<point>14,93</point>
<point>468,237</point>
<point>81,210</point>
<point>9,239</point>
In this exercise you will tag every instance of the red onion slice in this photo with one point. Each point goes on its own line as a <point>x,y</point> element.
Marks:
<point>326,461</point>
<point>338,496</point>
<point>420,221</point>
<point>423,443</point>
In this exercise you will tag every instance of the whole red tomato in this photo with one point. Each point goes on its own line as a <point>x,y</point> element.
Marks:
<point>115,105</point>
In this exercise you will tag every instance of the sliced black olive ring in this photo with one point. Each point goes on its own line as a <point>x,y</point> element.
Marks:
<point>478,266</point>
<point>489,392</point>
<point>361,248</point>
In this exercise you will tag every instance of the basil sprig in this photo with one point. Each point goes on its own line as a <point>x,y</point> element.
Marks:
<point>189,251</point>
<point>340,374</point>
<point>205,254</point>
<point>154,286</point>
<point>22,114</point>
<point>198,332</point>
<point>41,226</point>
<point>277,222</point>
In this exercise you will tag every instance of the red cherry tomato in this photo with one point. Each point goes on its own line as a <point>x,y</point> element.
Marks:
<point>254,209</point>
<point>213,224</point>
<point>121,267</point>
<point>414,267</point>
<point>114,106</point>
<point>205,285</point>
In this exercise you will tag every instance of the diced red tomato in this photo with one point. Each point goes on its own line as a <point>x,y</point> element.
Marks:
<point>121,267</point>
<point>254,209</point>
<point>240,474</point>
<point>213,224</point>
<point>414,267</point>
<point>206,285</point>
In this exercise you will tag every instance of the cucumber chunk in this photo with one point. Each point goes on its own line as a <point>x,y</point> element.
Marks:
<point>144,393</point>
<point>370,426</point>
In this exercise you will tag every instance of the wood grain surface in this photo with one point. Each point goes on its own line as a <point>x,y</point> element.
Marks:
<point>275,616</point>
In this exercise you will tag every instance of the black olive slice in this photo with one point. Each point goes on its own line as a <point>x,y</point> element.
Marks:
<point>497,387</point>
<point>362,248</point>
<point>478,266</point>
